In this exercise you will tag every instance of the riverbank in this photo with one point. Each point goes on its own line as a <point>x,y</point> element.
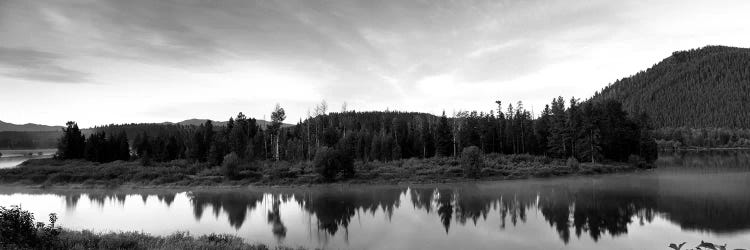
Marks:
<point>84,174</point>
<point>21,231</point>
<point>704,149</point>
<point>69,239</point>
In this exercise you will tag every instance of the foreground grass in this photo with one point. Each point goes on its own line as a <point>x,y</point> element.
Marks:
<point>50,172</point>
<point>19,230</point>
<point>134,240</point>
<point>69,239</point>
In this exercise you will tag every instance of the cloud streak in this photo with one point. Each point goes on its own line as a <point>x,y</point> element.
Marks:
<point>399,54</point>
<point>36,65</point>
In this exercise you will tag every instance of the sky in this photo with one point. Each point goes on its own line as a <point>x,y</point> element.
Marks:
<point>113,61</point>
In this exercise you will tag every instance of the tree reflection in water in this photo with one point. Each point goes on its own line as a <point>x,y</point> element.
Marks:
<point>584,206</point>
<point>274,218</point>
<point>234,204</point>
<point>699,193</point>
<point>596,211</point>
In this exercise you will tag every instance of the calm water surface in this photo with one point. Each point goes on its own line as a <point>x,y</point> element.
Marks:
<point>11,158</point>
<point>690,197</point>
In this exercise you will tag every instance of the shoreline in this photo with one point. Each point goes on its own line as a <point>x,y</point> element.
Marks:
<point>708,149</point>
<point>65,238</point>
<point>73,174</point>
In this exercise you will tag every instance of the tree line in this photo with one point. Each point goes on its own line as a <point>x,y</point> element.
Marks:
<point>676,138</point>
<point>28,139</point>
<point>591,131</point>
<point>98,147</point>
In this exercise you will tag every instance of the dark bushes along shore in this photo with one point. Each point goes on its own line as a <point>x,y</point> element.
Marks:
<point>328,167</point>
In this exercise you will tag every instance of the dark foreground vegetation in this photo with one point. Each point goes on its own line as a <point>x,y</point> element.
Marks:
<point>19,230</point>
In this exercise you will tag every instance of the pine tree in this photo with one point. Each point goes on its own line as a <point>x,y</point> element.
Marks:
<point>444,138</point>
<point>589,139</point>
<point>72,143</point>
<point>556,145</point>
<point>647,148</point>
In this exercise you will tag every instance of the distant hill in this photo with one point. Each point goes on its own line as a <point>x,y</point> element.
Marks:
<point>198,122</point>
<point>28,136</point>
<point>698,88</point>
<point>4,126</point>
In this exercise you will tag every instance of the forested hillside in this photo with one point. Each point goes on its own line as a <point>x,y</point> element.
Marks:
<point>700,88</point>
<point>29,140</point>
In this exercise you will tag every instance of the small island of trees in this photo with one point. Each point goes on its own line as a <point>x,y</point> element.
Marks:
<point>334,146</point>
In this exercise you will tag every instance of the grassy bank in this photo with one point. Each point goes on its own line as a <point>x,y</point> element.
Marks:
<point>69,239</point>
<point>20,230</point>
<point>50,172</point>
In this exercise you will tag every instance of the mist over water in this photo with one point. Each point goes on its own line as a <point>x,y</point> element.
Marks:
<point>690,197</point>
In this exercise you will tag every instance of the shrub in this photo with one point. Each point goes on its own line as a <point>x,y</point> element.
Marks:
<point>572,163</point>
<point>278,171</point>
<point>16,227</point>
<point>230,165</point>
<point>489,172</point>
<point>471,161</point>
<point>17,230</point>
<point>639,162</point>
<point>328,162</point>
<point>519,158</point>
<point>146,160</point>
<point>347,164</point>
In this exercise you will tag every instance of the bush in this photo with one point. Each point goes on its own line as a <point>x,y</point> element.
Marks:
<point>471,161</point>
<point>146,160</point>
<point>16,227</point>
<point>17,230</point>
<point>329,162</point>
<point>573,163</point>
<point>230,165</point>
<point>637,161</point>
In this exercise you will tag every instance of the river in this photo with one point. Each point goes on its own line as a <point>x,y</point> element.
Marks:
<point>691,196</point>
<point>11,158</point>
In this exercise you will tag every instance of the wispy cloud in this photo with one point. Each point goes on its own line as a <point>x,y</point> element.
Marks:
<point>36,65</point>
<point>373,54</point>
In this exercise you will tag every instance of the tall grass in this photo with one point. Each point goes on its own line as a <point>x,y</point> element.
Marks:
<point>135,240</point>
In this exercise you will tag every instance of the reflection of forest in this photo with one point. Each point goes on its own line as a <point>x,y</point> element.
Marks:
<point>706,190</point>
<point>704,199</point>
<point>593,207</point>
<point>234,204</point>
<point>724,160</point>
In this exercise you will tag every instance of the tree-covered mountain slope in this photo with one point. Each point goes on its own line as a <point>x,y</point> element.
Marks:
<point>700,88</point>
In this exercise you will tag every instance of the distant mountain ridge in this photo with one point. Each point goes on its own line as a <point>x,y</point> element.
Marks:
<point>32,127</point>
<point>198,122</point>
<point>28,127</point>
<point>707,87</point>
